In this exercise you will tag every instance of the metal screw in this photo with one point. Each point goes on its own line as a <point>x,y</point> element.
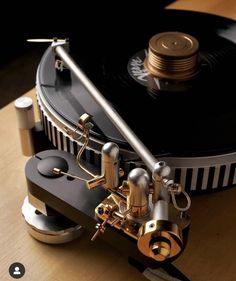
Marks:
<point>100,210</point>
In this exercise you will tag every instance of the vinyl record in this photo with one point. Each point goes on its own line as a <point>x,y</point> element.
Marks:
<point>191,119</point>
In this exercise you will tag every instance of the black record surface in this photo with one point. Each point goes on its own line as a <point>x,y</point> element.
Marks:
<point>194,118</point>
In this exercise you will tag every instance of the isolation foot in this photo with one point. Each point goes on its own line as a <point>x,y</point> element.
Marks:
<point>49,229</point>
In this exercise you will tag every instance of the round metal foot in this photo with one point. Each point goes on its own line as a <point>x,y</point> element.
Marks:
<point>49,229</point>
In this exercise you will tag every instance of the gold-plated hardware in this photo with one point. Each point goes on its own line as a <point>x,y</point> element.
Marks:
<point>173,55</point>
<point>157,239</point>
<point>117,199</point>
<point>100,229</point>
<point>118,218</point>
<point>84,124</point>
<point>107,209</point>
<point>121,217</point>
<point>56,171</point>
<point>161,249</point>
<point>125,188</point>
<point>82,149</point>
<point>127,207</point>
<point>95,182</point>
<point>84,119</point>
<point>160,239</point>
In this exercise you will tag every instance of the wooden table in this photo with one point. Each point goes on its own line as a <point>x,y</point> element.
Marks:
<point>210,253</point>
<point>218,7</point>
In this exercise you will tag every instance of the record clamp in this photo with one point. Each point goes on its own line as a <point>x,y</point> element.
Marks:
<point>172,55</point>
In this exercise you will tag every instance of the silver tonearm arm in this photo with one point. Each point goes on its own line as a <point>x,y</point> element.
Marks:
<point>111,113</point>
<point>151,162</point>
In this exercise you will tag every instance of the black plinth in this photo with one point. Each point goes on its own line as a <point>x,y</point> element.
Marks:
<point>72,199</point>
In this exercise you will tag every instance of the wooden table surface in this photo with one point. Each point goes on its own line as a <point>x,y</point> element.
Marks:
<point>226,8</point>
<point>210,253</point>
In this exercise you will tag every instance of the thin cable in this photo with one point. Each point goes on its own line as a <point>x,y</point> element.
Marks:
<point>78,157</point>
<point>60,172</point>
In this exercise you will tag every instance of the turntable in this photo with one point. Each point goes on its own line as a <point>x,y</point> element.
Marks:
<point>195,134</point>
<point>126,99</point>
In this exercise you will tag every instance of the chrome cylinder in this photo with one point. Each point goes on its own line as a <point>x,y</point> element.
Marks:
<point>26,123</point>
<point>137,200</point>
<point>110,165</point>
<point>160,210</point>
<point>160,171</point>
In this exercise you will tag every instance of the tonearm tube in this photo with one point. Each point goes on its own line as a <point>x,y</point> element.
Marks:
<point>143,206</point>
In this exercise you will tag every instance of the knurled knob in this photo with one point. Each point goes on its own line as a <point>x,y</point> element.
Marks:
<point>173,55</point>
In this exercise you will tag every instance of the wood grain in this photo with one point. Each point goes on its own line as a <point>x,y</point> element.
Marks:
<point>210,253</point>
<point>218,7</point>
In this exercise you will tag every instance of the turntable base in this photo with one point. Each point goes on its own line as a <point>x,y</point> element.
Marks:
<point>82,259</point>
<point>192,116</point>
<point>212,221</point>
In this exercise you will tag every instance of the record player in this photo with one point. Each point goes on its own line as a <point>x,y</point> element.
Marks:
<point>130,120</point>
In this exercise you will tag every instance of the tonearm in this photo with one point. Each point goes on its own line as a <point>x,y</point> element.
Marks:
<point>128,207</point>
<point>144,205</point>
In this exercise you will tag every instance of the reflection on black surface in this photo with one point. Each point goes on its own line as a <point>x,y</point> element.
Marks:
<point>184,117</point>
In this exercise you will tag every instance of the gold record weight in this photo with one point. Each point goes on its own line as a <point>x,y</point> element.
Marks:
<point>172,55</point>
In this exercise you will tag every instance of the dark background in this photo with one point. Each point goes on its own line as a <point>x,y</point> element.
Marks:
<point>19,21</point>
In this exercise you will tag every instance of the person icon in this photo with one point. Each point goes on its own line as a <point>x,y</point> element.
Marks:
<point>17,271</point>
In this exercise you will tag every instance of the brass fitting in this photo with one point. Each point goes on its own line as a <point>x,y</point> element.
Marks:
<point>160,239</point>
<point>83,120</point>
<point>95,182</point>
